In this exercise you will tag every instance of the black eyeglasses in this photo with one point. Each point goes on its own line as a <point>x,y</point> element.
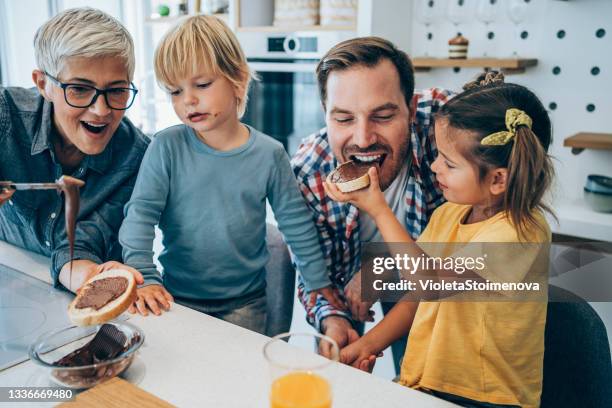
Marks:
<point>83,96</point>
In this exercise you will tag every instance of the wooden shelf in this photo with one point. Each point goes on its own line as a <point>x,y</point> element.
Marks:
<point>507,65</point>
<point>292,29</point>
<point>583,140</point>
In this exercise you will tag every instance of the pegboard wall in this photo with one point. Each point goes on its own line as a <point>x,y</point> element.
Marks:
<point>572,41</point>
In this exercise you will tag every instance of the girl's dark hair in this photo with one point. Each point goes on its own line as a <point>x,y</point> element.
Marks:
<point>481,109</point>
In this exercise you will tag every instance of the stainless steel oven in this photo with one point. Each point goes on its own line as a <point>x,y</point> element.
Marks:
<point>284,103</point>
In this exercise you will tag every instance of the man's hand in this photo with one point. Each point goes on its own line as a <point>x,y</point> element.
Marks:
<point>5,195</point>
<point>331,294</point>
<point>151,297</point>
<point>360,310</point>
<point>340,330</point>
<point>359,355</point>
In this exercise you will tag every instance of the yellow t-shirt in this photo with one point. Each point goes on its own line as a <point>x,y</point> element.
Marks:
<point>486,351</point>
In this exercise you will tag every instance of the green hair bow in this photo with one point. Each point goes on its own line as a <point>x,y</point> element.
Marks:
<point>514,118</point>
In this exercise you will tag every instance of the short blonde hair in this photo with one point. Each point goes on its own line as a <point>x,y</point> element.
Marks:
<point>202,41</point>
<point>82,32</point>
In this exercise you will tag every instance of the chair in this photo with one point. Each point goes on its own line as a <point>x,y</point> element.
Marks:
<point>577,364</point>
<point>280,283</point>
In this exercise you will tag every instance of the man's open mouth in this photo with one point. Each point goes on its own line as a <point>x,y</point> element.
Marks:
<point>94,127</point>
<point>369,159</point>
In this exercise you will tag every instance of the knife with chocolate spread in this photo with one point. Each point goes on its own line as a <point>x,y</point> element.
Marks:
<point>70,187</point>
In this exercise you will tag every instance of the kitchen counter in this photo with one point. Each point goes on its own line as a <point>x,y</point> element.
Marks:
<point>191,359</point>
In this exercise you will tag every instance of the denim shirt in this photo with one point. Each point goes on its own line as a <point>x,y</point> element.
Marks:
<point>34,220</point>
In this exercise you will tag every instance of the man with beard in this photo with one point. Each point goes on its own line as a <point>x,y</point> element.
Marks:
<point>373,116</point>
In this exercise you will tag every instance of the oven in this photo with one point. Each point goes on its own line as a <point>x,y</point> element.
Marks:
<point>284,103</point>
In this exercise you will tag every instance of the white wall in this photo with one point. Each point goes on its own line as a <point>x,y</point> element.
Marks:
<point>23,19</point>
<point>572,90</point>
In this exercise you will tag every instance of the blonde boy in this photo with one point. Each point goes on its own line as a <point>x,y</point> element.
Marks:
<point>205,183</point>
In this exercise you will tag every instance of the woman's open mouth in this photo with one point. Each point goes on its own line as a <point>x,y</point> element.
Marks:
<point>95,128</point>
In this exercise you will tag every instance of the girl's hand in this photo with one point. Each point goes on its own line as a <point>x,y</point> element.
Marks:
<point>359,355</point>
<point>370,199</point>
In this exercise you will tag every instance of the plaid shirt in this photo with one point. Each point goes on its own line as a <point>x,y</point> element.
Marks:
<point>338,223</point>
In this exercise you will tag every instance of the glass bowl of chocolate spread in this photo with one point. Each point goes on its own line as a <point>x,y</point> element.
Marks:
<point>82,357</point>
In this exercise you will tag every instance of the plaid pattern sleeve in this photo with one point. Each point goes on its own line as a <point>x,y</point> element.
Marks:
<point>338,224</point>
<point>311,164</point>
<point>423,194</point>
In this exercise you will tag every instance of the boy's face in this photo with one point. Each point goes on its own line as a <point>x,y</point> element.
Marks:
<point>205,101</point>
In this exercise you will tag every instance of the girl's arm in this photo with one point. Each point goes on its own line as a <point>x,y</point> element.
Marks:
<point>372,201</point>
<point>394,325</point>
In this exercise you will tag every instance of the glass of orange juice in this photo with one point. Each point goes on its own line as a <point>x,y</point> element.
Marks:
<point>300,377</point>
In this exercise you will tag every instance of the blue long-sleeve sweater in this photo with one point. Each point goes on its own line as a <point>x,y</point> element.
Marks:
<point>211,208</point>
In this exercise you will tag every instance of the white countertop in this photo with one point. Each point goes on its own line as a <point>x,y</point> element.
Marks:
<point>577,219</point>
<point>191,359</point>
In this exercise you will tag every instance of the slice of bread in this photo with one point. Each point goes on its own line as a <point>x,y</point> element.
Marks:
<point>88,316</point>
<point>347,186</point>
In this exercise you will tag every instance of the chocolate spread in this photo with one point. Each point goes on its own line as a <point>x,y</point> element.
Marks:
<point>70,187</point>
<point>349,171</point>
<point>99,293</point>
<point>107,344</point>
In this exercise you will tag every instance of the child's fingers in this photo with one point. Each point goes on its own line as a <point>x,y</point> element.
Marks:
<point>328,190</point>
<point>161,299</point>
<point>335,193</point>
<point>132,309</point>
<point>152,304</point>
<point>140,305</point>
<point>373,173</point>
<point>364,365</point>
<point>167,295</point>
<point>325,349</point>
<point>312,299</point>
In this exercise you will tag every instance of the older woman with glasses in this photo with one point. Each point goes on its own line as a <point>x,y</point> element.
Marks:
<point>72,123</point>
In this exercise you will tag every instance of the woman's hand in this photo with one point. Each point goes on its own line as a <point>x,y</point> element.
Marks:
<point>5,194</point>
<point>107,266</point>
<point>370,199</point>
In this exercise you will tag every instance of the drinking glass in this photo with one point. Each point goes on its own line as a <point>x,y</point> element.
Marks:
<point>300,378</point>
<point>517,11</point>
<point>486,12</point>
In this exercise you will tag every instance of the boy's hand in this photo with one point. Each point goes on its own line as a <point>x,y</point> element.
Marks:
<point>153,298</point>
<point>359,355</point>
<point>370,199</point>
<point>331,294</point>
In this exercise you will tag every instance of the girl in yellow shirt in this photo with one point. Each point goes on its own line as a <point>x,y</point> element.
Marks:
<point>494,170</point>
